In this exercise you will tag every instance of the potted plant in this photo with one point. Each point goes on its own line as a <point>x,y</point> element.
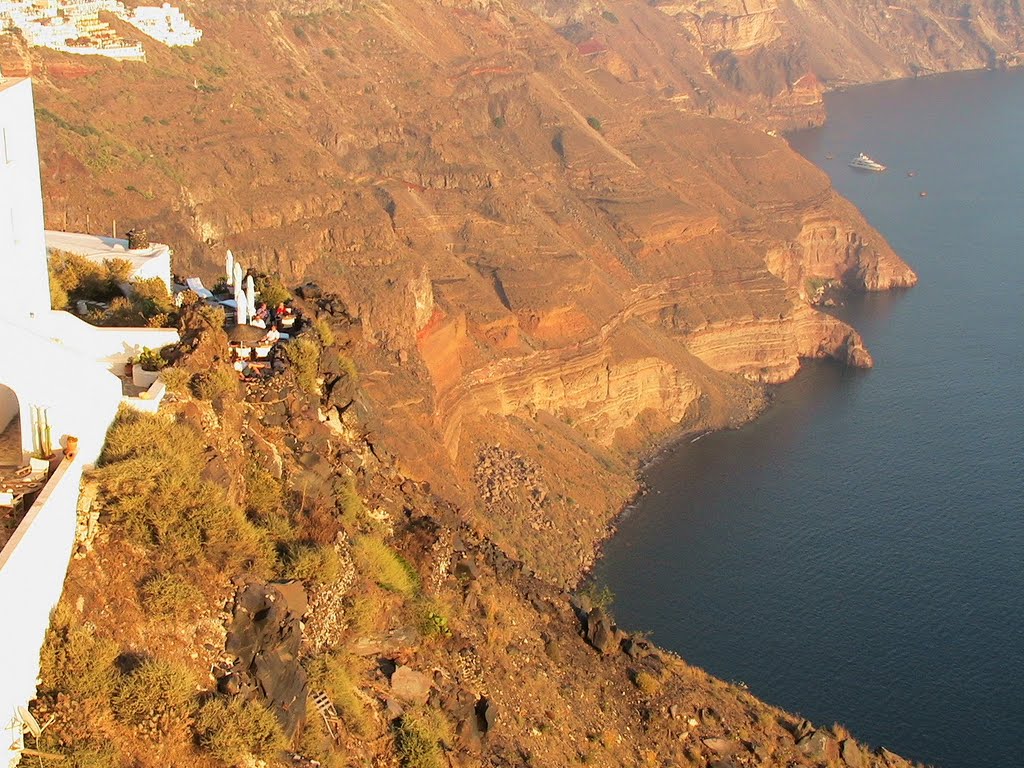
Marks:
<point>147,367</point>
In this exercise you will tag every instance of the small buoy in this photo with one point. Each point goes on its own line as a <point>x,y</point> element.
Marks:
<point>911,173</point>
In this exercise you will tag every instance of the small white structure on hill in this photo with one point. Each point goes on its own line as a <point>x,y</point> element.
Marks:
<point>55,383</point>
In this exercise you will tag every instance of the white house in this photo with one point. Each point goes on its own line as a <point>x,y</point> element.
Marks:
<point>55,372</point>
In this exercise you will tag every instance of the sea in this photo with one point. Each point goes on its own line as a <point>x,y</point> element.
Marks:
<point>856,555</point>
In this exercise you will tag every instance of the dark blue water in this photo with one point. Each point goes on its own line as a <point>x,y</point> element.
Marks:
<point>857,554</point>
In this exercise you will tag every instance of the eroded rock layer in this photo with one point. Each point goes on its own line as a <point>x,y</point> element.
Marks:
<point>544,224</point>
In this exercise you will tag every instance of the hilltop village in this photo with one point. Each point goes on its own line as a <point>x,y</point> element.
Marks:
<point>74,26</point>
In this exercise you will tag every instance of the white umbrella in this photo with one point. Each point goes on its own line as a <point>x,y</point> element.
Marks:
<point>250,295</point>
<point>229,265</point>
<point>236,281</point>
<point>241,307</point>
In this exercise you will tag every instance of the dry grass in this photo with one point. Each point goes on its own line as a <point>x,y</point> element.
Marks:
<point>647,682</point>
<point>385,566</point>
<point>75,661</point>
<point>315,563</point>
<point>417,738</point>
<point>158,693</point>
<point>236,731</point>
<point>351,504</point>
<point>220,381</point>
<point>333,673</point>
<point>177,380</point>
<point>169,594</point>
<point>153,491</point>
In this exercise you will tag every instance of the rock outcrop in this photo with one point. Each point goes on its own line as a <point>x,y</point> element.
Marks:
<point>264,639</point>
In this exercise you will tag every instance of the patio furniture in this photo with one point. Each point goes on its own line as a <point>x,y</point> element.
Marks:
<point>195,284</point>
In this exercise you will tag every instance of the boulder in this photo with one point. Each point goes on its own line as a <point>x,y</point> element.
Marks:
<point>721,746</point>
<point>294,595</point>
<point>468,734</point>
<point>600,632</point>
<point>819,746</point>
<point>851,754</point>
<point>803,728</point>
<point>409,685</point>
<point>264,637</point>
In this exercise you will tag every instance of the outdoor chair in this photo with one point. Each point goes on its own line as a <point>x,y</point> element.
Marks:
<point>195,284</point>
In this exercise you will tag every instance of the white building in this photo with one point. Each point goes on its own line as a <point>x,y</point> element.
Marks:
<point>24,289</point>
<point>55,362</point>
<point>166,24</point>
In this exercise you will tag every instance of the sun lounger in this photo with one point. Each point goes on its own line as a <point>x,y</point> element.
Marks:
<point>195,284</point>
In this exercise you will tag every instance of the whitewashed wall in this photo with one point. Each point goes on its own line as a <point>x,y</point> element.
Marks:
<point>25,285</point>
<point>32,569</point>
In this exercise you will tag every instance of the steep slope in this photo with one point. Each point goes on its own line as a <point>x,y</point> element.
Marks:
<point>229,582</point>
<point>521,231</point>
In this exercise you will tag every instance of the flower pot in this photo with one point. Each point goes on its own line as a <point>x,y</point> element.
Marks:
<point>144,378</point>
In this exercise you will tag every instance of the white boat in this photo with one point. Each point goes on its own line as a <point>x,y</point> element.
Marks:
<point>865,163</point>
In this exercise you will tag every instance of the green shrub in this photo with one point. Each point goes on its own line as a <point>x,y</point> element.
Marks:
<point>79,278</point>
<point>272,291</point>
<point>219,381</point>
<point>594,123</point>
<point>311,562</point>
<point>499,121</point>
<point>233,731</point>
<point>151,359</point>
<point>169,594</point>
<point>600,596</point>
<point>157,690</point>
<point>432,621</point>
<point>177,380</point>
<point>417,737</point>
<point>152,297</point>
<point>59,298</point>
<point>304,355</point>
<point>385,566</point>
<point>609,16</point>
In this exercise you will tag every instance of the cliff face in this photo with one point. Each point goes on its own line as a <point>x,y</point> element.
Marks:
<point>527,207</point>
<point>550,234</point>
<point>769,61</point>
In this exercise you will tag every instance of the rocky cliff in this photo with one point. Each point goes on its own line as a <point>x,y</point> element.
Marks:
<point>538,214</point>
<point>551,235</point>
